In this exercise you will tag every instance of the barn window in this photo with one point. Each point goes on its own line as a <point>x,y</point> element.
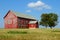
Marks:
<point>9,21</point>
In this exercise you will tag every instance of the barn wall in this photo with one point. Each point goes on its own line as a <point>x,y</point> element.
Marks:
<point>23,23</point>
<point>10,21</point>
<point>34,25</point>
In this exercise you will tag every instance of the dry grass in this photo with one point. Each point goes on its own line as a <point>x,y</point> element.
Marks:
<point>29,34</point>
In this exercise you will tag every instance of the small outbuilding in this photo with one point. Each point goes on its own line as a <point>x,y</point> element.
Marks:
<point>33,24</point>
<point>19,20</point>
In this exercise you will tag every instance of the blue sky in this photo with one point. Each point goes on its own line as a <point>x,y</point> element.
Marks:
<point>31,7</point>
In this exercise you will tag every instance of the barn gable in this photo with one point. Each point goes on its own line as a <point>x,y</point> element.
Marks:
<point>9,14</point>
<point>10,20</point>
<point>6,14</point>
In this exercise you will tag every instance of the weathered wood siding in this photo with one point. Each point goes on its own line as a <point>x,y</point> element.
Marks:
<point>23,23</point>
<point>10,20</point>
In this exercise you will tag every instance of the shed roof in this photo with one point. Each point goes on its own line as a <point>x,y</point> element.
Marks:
<point>31,22</point>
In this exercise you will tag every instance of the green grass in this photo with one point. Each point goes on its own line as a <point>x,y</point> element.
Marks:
<point>29,34</point>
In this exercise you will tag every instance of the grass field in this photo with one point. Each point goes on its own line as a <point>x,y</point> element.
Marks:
<point>29,34</point>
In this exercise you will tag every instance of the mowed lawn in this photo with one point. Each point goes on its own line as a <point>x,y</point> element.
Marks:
<point>30,34</point>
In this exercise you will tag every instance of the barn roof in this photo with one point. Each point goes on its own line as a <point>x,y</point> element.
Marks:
<point>31,22</point>
<point>21,15</point>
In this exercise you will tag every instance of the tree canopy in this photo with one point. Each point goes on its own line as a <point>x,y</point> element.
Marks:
<point>49,20</point>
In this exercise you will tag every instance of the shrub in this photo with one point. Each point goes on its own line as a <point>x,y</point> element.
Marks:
<point>17,32</point>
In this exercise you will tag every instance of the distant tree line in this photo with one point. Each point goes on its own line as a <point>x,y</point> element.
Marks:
<point>49,20</point>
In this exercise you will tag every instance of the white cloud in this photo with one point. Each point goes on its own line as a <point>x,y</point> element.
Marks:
<point>28,10</point>
<point>38,5</point>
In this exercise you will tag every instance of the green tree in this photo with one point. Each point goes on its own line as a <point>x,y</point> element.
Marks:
<point>49,20</point>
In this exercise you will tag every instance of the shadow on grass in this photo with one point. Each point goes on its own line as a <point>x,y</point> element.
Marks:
<point>17,32</point>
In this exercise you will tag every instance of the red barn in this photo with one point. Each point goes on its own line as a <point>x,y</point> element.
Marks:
<point>18,20</point>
